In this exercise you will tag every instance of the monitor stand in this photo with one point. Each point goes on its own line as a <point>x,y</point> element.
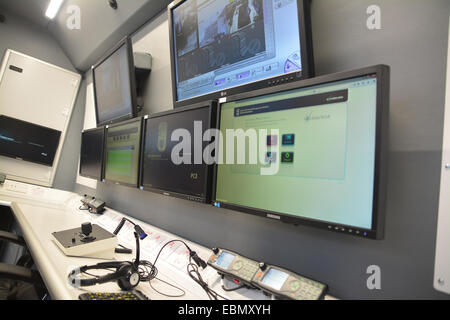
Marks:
<point>143,67</point>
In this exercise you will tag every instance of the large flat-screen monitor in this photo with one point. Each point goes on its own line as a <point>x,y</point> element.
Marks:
<point>313,152</point>
<point>221,47</point>
<point>91,155</point>
<point>115,85</point>
<point>27,141</point>
<point>173,157</point>
<point>122,152</point>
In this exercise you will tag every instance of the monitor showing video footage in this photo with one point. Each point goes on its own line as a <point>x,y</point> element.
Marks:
<point>224,47</point>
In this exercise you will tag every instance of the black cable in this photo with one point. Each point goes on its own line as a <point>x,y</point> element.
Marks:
<point>165,245</point>
<point>94,275</point>
<point>192,270</point>
<point>232,289</point>
<point>146,271</point>
<point>90,274</point>
<point>192,254</point>
<point>196,276</point>
<point>165,294</point>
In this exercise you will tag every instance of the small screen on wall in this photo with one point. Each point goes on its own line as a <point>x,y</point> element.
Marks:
<point>27,141</point>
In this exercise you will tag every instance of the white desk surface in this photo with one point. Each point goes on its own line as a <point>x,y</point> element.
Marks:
<point>41,211</point>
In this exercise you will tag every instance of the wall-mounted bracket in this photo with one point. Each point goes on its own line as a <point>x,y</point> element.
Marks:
<point>143,67</point>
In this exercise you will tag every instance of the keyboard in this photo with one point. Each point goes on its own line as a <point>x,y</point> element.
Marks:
<point>121,296</point>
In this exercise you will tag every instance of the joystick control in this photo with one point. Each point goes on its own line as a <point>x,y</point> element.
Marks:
<point>86,230</point>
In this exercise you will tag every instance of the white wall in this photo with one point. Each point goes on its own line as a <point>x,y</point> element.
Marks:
<point>442,263</point>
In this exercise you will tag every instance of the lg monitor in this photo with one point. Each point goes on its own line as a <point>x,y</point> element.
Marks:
<point>221,47</point>
<point>173,156</point>
<point>115,85</point>
<point>91,156</point>
<point>122,152</point>
<point>27,141</point>
<point>318,155</point>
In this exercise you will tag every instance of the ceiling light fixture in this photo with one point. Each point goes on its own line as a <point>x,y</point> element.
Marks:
<point>53,8</point>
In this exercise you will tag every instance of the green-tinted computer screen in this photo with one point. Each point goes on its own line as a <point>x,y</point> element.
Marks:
<point>312,155</point>
<point>122,153</point>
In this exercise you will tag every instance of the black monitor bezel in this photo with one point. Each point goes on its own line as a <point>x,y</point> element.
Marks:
<point>98,178</point>
<point>133,94</point>
<point>209,169</point>
<point>26,159</point>
<point>382,73</point>
<point>108,181</point>
<point>307,57</point>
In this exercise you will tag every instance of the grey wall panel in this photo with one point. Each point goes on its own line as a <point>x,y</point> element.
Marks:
<point>34,11</point>
<point>31,39</point>
<point>101,27</point>
<point>413,41</point>
<point>66,175</point>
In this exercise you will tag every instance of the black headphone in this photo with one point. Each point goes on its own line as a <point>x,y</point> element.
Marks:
<point>126,274</point>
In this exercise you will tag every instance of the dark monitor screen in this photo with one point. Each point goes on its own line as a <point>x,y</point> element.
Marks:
<point>27,141</point>
<point>221,44</point>
<point>114,86</point>
<point>320,162</point>
<point>91,156</point>
<point>122,152</point>
<point>173,161</point>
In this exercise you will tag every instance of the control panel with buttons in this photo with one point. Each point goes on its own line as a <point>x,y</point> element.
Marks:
<point>233,266</point>
<point>284,284</point>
